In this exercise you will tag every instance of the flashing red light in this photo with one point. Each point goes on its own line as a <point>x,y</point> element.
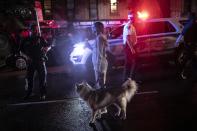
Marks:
<point>143,15</point>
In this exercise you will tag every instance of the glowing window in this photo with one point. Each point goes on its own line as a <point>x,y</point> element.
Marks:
<point>93,9</point>
<point>70,9</point>
<point>113,6</point>
<point>47,9</point>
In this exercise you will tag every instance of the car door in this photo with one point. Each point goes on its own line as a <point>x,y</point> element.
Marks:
<point>116,43</point>
<point>157,36</point>
<point>154,38</point>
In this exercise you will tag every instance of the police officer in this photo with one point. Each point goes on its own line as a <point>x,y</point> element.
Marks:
<point>189,40</point>
<point>190,43</point>
<point>129,41</point>
<point>35,48</point>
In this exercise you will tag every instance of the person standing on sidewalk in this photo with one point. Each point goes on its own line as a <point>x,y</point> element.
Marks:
<point>35,48</point>
<point>99,56</point>
<point>129,41</point>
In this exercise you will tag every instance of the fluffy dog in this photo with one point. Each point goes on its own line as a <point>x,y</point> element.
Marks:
<point>99,99</point>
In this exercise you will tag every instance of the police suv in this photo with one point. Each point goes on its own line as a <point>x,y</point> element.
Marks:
<point>155,42</point>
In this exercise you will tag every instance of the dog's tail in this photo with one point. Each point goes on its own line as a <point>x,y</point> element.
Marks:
<point>131,89</point>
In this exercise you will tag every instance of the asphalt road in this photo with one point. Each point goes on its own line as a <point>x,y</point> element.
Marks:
<point>162,103</point>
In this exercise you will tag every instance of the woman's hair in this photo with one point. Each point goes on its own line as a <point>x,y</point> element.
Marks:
<point>99,27</point>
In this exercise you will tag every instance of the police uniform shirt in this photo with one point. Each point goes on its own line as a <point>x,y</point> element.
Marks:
<point>129,29</point>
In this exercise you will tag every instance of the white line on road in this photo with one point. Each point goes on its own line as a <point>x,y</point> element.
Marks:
<point>64,100</point>
<point>147,92</point>
<point>42,102</point>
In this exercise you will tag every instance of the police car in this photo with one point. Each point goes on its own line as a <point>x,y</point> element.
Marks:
<point>155,41</point>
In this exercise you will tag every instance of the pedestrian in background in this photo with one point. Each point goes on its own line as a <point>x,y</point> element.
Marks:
<point>99,56</point>
<point>35,48</point>
<point>129,41</point>
<point>190,44</point>
<point>189,41</point>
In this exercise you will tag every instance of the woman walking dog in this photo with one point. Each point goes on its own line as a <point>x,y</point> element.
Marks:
<point>99,57</point>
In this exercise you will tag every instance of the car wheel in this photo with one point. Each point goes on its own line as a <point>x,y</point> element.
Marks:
<point>20,63</point>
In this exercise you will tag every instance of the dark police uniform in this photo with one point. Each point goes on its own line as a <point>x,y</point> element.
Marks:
<point>191,45</point>
<point>32,47</point>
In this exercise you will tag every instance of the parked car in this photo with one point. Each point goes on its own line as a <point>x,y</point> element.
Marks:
<point>156,42</point>
<point>49,30</point>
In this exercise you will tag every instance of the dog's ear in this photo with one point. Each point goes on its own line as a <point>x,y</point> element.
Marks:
<point>129,79</point>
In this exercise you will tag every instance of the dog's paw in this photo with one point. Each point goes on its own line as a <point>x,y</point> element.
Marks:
<point>98,116</point>
<point>91,124</point>
<point>103,110</point>
<point>122,116</point>
<point>117,114</point>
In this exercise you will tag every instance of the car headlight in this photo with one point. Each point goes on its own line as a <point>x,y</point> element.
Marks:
<point>79,49</point>
<point>80,54</point>
<point>77,54</point>
<point>77,58</point>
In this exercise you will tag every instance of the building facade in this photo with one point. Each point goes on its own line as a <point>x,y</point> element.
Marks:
<point>114,9</point>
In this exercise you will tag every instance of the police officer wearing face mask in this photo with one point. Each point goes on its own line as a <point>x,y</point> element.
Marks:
<point>35,48</point>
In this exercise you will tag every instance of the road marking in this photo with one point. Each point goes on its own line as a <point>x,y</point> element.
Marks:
<point>43,102</point>
<point>64,100</point>
<point>147,92</point>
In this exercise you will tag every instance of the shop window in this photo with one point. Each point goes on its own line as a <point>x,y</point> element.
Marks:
<point>113,6</point>
<point>70,7</point>
<point>93,9</point>
<point>47,9</point>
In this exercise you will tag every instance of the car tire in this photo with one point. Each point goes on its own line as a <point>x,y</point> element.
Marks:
<point>20,63</point>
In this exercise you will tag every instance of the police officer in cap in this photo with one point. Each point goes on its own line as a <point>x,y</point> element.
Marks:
<point>129,41</point>
<point>35,48</point>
